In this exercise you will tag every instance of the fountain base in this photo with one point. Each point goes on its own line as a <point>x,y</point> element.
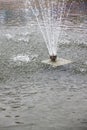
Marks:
<point>58,62</point>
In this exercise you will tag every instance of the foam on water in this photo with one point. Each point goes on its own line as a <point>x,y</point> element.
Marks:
<point>21,58</point>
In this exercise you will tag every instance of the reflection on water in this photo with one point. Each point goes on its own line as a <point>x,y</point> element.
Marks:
<point>12,16</point>
<point>2,16</point>
<point>15,17</point>
<point>23,15</point>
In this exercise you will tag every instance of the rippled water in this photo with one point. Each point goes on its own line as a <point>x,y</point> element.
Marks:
<point>36,95</point>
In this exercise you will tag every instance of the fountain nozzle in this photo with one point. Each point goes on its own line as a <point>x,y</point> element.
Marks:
<point>53,58</point>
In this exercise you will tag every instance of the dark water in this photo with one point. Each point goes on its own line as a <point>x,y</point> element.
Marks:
<point>37,96</point>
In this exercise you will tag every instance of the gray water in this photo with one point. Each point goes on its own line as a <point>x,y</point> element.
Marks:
<point>34,95</point>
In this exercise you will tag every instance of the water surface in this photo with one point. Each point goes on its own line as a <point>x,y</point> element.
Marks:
<point>33,95</point>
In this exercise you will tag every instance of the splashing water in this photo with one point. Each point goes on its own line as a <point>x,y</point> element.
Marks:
<point>49,15</point>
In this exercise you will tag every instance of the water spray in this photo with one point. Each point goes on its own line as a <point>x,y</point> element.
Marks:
<point>49,15</point>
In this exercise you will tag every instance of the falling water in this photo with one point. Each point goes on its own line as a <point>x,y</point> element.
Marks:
<point>49,15</point>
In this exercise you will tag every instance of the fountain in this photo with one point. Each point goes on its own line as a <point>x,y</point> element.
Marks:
<point>49,15</point>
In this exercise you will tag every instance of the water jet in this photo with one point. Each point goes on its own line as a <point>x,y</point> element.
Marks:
<point>50,16</point>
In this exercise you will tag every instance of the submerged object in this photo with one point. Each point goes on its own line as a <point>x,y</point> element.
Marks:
<point>54,61</point>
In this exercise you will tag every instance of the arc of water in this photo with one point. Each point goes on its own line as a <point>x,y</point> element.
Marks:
<point>46,25</point>
<point>41,29</point>
<point>49,19</point>
<point>56,24</point>
<point>60,19</point>
<point>50,29</point>
<point>39,24</point>
<point>51,26</point>
<point>69,12</point>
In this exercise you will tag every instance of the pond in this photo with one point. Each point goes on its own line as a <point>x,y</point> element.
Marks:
<point>34,95</point>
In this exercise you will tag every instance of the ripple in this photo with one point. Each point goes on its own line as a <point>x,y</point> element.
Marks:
<point>2,109</point>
